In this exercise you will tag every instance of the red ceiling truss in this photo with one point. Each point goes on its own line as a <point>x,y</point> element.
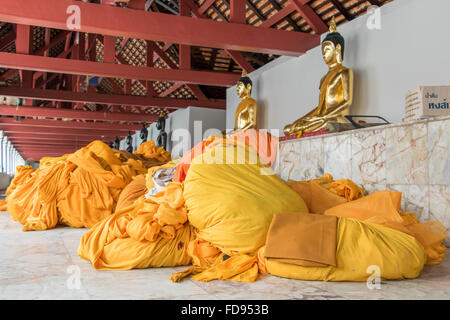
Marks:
<point>149,57</point>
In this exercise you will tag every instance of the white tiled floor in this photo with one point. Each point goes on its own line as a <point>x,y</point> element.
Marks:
<point>37,265</point>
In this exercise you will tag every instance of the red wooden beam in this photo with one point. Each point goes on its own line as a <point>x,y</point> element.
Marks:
<point>6,41</point>
<point>156,26</point>
<point>27,111</point>
<point>68,124</point>
<point>44,143</point>
<point>44,148</point>
<point>235,55</point>
<point>205,6</point>
<point>310,16</point>
<point>24,44</point>
<point>166,59</point>
<point>60,131</point>
<point>78,67</point>
<point>63,54</point>
<point>47,149</point>
<point>237,11</point>
<point>114,99</point>
<point>149,62</point>
<point>280,15</point>
<point>240,60</point>
<point>47,138</point>
<point>184,50</point>
<point>13,136</point>
<point>56,39</point>
<point>172,89</point>
<point>109,50</point>
<point>8,74</point>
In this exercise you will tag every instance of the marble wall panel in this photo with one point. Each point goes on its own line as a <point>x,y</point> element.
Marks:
<point>440,207</point>
<point>439,152</point>
<point>415,199</point>
<point>338,153</point>
<point>406,154</point>
<point>369,157</point>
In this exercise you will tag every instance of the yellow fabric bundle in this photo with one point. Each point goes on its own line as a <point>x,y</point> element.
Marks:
<point>25,204</point>
<point>78,189</point>
<point>384,208</point>
<point>344,188</point>
<point>3,206</point>
<point>150,150</point>
<point>151,233</point>
<point>231,197</point>
<point>23,174</point>
<point>225,207</point>
<point>317,198</point>
<point>232,204</point>
<point>362,246</point>
<point>133,191</point>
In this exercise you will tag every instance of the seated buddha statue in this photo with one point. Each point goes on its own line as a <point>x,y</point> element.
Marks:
<point>247,110</point>
<point>336,89</point>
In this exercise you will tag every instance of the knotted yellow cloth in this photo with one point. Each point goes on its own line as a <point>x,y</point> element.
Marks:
<point>3,206</point>
<point>317,198</point>
<point>151,233</point>
<point>344,188</point>
<point>23,174</point>
<point>383,208</point>
<point>78,189</point>
<point>150,150</point>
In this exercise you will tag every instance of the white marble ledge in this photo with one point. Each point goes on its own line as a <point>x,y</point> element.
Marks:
<point>382,127</point>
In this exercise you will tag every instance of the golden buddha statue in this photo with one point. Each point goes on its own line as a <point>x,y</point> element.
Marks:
<point>247,110</point>
<point>336,89</point>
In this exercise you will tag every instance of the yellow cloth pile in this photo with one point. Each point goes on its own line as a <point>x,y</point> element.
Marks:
<point>77,190</point>
<point>344,188</point>
<point>361,245</point>
<point>133,191</point>
<point>218,220</point>
<point>231,198</point>
<point>150,150</point>
<point>155,232</point>
<point>383,208</point>
<point>152,232</point>
<point>139,187</point>
<point>23,174</point>
<point>3,206</point>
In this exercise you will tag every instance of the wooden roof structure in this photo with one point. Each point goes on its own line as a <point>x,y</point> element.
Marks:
<point>187,54</point>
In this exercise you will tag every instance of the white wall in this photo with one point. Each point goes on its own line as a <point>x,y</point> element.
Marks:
<point>177,120</point>
<point>210,119</point>
<point>411,49</point>
<point>185,119</point>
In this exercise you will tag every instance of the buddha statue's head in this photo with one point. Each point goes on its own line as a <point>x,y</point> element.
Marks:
<point>333,46</point>
<point>244,86</point>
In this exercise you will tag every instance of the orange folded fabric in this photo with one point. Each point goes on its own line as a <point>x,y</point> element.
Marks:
<point>383,208</point>
<point>382,204</point>
<point>133,191</point>
<point>3,205</point>
<point>317,198</point>
<point>303,239</point>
